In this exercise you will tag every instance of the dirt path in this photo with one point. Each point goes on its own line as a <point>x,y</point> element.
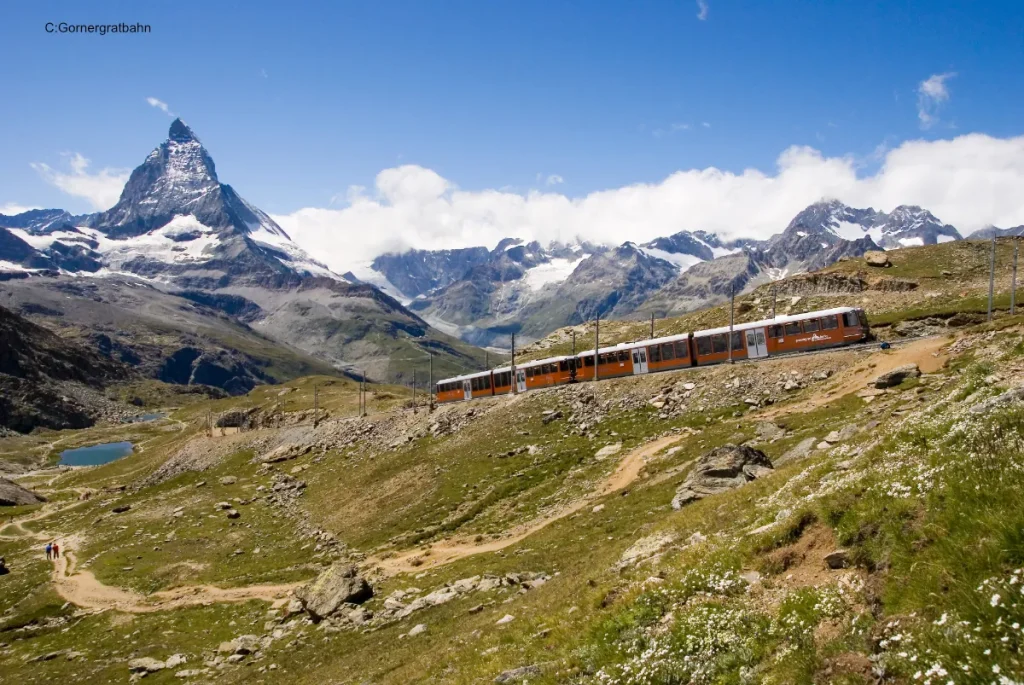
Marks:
<point>447,551</point>
<point>81,588</point>
<point>926,353</point>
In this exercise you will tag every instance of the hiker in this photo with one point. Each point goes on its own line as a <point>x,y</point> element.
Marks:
<point>49,551</point>
<point>56,551</point>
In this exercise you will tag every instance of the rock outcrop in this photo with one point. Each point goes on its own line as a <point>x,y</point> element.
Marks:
<point>13,495</point>
<point>722,469</point>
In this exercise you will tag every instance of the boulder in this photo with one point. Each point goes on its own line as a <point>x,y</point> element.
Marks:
<point>837,559</point>
<point>284,453</point>
<point>146,665</point>
<point>876,258</point>
<point>228,480</point>
<point>722,469</point>
<point>339,584</point>
<point>608,451</point>
<point>896,376</point>
<point>13,495</point>
<point>551,415</point>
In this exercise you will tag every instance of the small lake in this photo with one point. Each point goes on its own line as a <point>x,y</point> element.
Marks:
<point>97,454</point>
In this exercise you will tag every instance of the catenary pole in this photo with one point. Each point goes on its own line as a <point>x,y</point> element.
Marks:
<point>515,384</point>
<point>774,297</point>
<point>1013,280</point>
<point>597,340</point>
<point>991,276</point>
<point>652,326</point>
<point>316,404</point>
<point>732,301</point>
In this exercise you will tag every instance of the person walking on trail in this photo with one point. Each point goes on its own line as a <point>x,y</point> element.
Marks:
<point>56,551</point>
<point>49,551</point>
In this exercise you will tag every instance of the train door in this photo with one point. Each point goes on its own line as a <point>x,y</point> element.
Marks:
<point>520,380</point>
<point>757,346</point>
<point>467,390</point>
<point>639,360</point>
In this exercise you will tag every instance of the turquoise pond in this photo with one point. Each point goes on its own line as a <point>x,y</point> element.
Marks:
<point>97,454</point>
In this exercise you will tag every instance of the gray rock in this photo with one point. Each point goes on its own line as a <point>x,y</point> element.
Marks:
<point>1008,397</point>
<point>897,376</point>
<point>417,629</point>
<point>837,559</point>
<point>550,416</point>
<point>339,584</point>
<point>876,258</point>
<point>228,480</point>
<point>608,451</point>
<point>232,513</point>
<point>146,665</point>
<point>722,469</point>
<point>13,495</point>
<point>516,675</point>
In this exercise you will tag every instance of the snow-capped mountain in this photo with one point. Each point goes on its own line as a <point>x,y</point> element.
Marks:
<point>905,226</point>
<point>182,231</point>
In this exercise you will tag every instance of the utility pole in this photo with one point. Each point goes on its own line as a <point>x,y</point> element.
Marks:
<point>991,276</point>
<point>430,380</point>
<point>316,404</point>
<point>487,361</point>
<point>515,384</point>
<point>652,326</point>
<point>574,343</point>
<point>597,346</point>
<point>732,301</point>
<point>414,391</point>
<point>209,422</point>
<point>774,294</point>
<point>1013,281</point>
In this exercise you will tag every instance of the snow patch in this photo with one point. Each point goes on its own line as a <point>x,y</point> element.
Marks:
<point>677,259</point>
<point>945,238</point>
<point>911,242</point>
<point>847,230</point>
<point>555,271</point>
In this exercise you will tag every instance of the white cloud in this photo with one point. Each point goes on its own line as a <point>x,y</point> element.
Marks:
<point>12,208</point>
<point>101,189</point>
<point>554,180</point>
<point>705,124</point>
<point>969,181</point>
<point>702,9</point>
<point>161,105</point>
<point>680,126</point>
<point>932,94</point>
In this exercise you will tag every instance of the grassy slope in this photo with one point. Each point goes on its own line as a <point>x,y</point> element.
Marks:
<point>906,508</point>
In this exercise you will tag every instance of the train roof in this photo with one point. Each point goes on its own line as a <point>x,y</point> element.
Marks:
<point>636,343</point>
<point>774,322</point>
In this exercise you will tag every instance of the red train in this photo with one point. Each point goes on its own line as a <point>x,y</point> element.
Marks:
<point>753,340</point>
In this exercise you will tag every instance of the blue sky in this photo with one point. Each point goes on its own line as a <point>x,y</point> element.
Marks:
<point>298,102</point>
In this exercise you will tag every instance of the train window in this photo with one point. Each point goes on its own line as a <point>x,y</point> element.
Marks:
<point>654,353</point>
<point>850,319</point>
<point>681,351</point>
<point>623,356</point>
<point>588,360</point>
<point>793,328</point>
<point>474,384</point>
<point>486,382</point>
<point>775,331</point>
<point>703,346</point>
<point>737,340</point>
<point>719,343</point>
<point>506,378</point>
<point>668,352</point>
<point>829,322</point>
<point>563,365</point>
<point>810,325</point>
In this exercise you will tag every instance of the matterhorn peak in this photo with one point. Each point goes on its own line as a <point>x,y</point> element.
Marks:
<point>181,133</point>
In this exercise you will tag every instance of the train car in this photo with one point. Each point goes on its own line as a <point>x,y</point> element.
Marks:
<point>467,387</point>
<point>751,340</point>
<point>770,337</point>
